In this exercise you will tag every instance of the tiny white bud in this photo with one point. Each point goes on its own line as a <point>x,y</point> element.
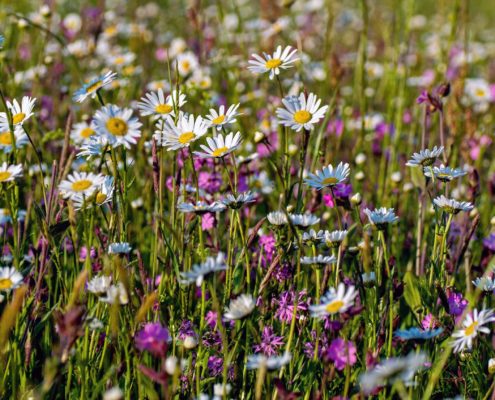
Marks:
<point>360,159</point>
<point>171,365</point>
<point>356,199</point>
<point>190,342</point>
<point>360,176</point>
<point>258,136</point>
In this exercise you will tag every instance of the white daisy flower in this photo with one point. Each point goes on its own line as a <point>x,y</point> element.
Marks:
<point>236,202</point>
<point>93,147</point>
<point>273,63</point>
<point>116,294</point>
<point>393,370</point>
<point>102,195</point>
<point>304,220</point>
<point>99,284</point>
<point>80,184</point>
<point>199,271</point>
<point>20,112</point>
<point>120,60</point>
<point>478,90</point>
<point>443,173</point>
<point>20,136</point>
<point>257,361</point>
<point>472,325</point>
<point>313,237</point>
<point>452,206</point>
<point>89,89</point>
<point>119,248</point>
<point>186,63</point>
<point>239,308</point>
<point>381,217</point>
<point>222,118</point>
<point>156,105</point>
<point>187,130</point>
<point>334,238</point>
<point>82,131</point>
<point>425,157</point>
<point>301,113</point>
<point>6,218</point>
<point>200,207</point>
<point>220,146</point>
<point>157,85</point>
<point>10,278</point>
<point>117,126</point>
<point>277,218</point>
<point>10,172</point>
<point>328,176</point>
<point>320,259</point>
<point>334,301</point>
<point>486,284</point>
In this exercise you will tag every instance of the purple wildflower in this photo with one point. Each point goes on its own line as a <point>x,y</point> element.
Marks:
<point>153,338</point>
<point>342,353</point>
<point>270,342</point>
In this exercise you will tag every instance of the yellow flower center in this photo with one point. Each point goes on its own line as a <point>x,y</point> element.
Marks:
<point>443,176</point>
<point>479,93</point>
<point>18,118</point>
<point>330,181</point>
<point>117,126</point>
<point>5,283</point>
<point>82,185</point>
<point>129,70</point>
<point>273,63</point>
<point>218,120</point>
<point>163,108</point>
<point>471,328</point>
<point>219,152</point>
<point>87,132</point>
<point>186,65</point>
<point>100,197</point>
<point>302,116</point>
<point>5,138</point>
<point>94,87</point>
<point>119,60</point>
<point>334,306</point>
<point>186,137</point>
<point>4,175</point>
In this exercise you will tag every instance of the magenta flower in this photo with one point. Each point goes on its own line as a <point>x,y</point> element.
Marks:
<point>154,338</point>
<point>207,222</point>
<point>270,343</point>
<point>342,353</point>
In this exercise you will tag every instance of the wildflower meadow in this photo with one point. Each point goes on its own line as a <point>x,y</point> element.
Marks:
<point>247,199</point>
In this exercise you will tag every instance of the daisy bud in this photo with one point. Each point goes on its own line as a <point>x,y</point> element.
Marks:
<point>190,342</point>
<point>21,24</point>
<point>491,366</point>
<point>45,11</point>
<point>408,187</point>
<point>114,393</point>
<point>474,212</point>
<point>290,208</point>
<point>369,92</point>
<point>356,199</point>
<point>360,176</point>
<point>259,136</point>
<point>171,365</point>
<point>492,221</point>
<point>396,177</point>
<point>293,149</point>
<point>326,215</point>
<point>360,159</point>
